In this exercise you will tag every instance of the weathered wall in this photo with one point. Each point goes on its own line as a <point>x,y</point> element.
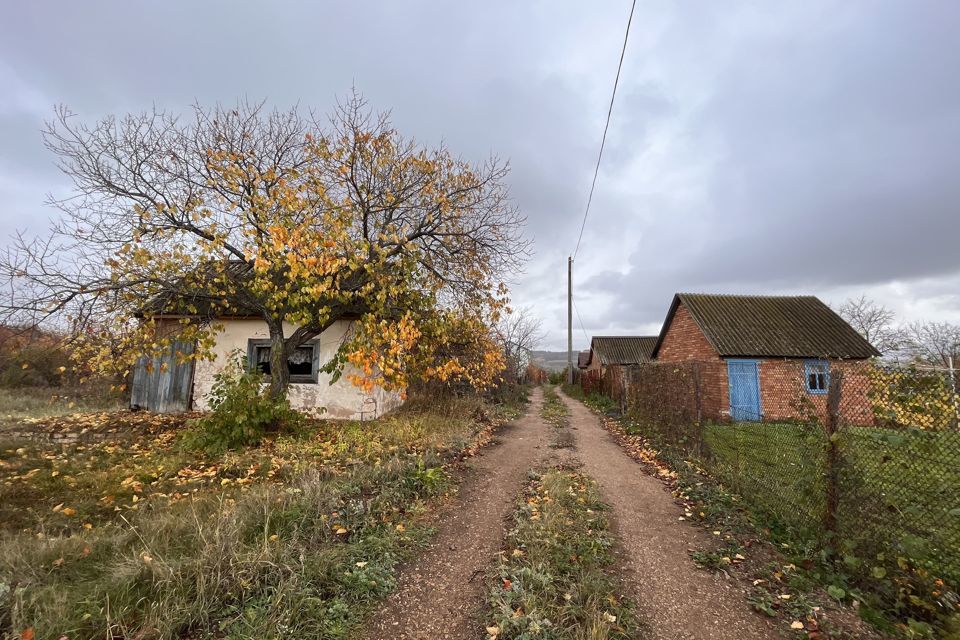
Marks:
<point>684,342</point>
<point>342,400</point>
<point>784,395</point>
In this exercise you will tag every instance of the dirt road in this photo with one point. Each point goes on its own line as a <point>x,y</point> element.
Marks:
<point>440,594</point>
<point>675,600</point>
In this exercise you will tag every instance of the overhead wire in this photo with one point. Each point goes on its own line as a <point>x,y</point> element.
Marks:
<point>606,126</point>
<point>580,320</point>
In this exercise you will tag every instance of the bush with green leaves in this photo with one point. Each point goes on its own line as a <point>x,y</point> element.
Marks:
<point>242,412</point>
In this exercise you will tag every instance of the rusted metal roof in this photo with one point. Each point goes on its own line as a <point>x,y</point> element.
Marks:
<point>622,349</point>
<point>771,326</point>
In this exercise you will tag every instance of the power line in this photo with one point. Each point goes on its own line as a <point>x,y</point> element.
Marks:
<point>603,141</point>
<point>581,321</point>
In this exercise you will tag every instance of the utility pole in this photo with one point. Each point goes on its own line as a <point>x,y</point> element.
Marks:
<point>570,320</point>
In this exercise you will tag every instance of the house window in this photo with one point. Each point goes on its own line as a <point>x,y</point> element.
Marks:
<point>818,376</point>
<point>303,363</point>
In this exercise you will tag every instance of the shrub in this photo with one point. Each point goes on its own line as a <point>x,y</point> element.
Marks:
<point>242,412</point>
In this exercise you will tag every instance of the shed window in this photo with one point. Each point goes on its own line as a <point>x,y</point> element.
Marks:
<point>818,376</point>
<point>302,363</point>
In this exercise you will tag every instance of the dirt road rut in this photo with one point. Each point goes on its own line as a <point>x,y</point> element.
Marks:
<point>439,594</point>
<point>676,600</point>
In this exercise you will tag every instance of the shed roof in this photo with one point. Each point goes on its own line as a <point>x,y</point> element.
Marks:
<point>622,349</point>
<point>196,300</point>
<point>583,359</point>
<point>770,326</point>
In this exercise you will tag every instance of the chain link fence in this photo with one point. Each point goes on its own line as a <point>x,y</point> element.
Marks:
<point>858,459</point>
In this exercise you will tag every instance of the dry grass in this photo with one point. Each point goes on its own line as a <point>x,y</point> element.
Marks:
<point>35,403</point>
<point>554,577</point>
<point>297,537</point>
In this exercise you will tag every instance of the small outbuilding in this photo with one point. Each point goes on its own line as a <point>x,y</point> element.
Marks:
<point>606,351</point>
<point>170,383</point>
<point>583,360</point>
<point>764,357</point>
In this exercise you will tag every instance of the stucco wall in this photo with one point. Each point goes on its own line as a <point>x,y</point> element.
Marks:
<point>342,400</point>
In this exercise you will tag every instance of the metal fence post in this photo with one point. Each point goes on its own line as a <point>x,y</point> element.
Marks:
<point>832,461</point>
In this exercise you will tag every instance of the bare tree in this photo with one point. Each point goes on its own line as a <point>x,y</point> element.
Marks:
<point>291,219</point>
<point>874,322</point>
<point>518,333</point>
<point>935,343</point>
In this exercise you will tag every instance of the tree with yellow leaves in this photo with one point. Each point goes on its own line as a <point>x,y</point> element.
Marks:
<point>304,223</point>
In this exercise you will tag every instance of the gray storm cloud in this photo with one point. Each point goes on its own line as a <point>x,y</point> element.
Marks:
<point>754,148</point>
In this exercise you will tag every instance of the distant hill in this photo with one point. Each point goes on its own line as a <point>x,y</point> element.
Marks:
<point>552,360</point>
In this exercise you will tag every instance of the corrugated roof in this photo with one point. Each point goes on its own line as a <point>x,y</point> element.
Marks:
<point>771,326</point>
<point>583,359</point>
<point>623,349</point>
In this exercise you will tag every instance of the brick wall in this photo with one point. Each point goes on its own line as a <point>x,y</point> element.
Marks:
<point>784,394</point>
<point>684,341</point>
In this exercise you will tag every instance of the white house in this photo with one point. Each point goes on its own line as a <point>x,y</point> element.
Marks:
<point>166,385</point>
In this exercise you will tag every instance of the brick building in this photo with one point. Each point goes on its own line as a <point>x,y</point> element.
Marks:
<point>618,350</point>
<point>766,357</point>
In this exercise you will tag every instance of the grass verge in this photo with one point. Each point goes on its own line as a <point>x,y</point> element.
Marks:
<point>553,578</point>
<point>555,413</point>
<point>297,537</point>
<point>785,577</point>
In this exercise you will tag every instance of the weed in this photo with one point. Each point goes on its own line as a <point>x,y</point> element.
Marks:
<point>297,537</point>
<point>242,412</point>
<point>552,579</point>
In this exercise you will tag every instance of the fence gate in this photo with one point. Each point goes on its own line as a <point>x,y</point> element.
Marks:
<point>744,390</point>
<point>164,384</point>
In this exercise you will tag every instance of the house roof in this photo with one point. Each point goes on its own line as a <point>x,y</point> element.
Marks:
<point>583,359</point>
<point>622,349</point>
<point>770,326</point>
<point>185,299</point>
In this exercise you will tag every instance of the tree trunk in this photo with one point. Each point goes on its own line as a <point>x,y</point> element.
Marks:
<point>279,373</point>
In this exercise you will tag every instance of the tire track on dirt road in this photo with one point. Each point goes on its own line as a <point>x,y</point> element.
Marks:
<point>440,593</point>
<point>675,600</point>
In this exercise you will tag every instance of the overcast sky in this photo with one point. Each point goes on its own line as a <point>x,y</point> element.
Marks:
<point>796,147</point>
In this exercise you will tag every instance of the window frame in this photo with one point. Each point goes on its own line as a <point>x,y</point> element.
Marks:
<point>313,378</point>
<point>817,367</point>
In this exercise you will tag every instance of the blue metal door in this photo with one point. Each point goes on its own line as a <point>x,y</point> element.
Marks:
<point>744,390</point>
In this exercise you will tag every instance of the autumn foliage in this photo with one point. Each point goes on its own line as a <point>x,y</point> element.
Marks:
<point>278,216</point>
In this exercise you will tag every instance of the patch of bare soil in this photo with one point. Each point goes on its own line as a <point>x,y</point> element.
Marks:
<point>675,600</point>
<point>764,571</point>
<point>440,593</point>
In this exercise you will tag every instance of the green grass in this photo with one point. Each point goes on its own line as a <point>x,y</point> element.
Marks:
<point>35,403</point>
<point>298,537</point>
<point>898,490</point>
<point>751,458</point>
<point>553,580</point>
<point>555,412</point>
<point>596,400</point>
<point>897,541</point>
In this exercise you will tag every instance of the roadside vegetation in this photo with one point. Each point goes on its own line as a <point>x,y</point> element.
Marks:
<point>597,401</point>
<point>129,533</point>
<point>786,575</point>
<point>555,413</point>
<point>553,577</point>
